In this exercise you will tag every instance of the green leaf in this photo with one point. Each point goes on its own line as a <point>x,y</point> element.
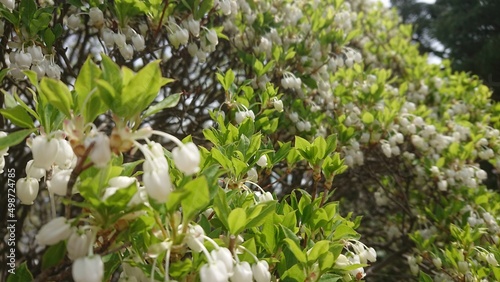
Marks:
<point>367,118</point>
<point>15,138</point>
<point>259,214</point>
<point>198,197</point>
<point>423,277</point>
<point>296,250</point>
<point>318,250</point>
<point>54,255</point>
<point>169,102</point>
<point>343,232</point>
<point>85,86</point>
<point>21,274</point>
<point>57,94</point>
<point>18,116</point>
<point>236,220</point>
<point>49,37</point>
<point>27,9</point>
<point>137,95</point>
<point>229,78</point>
<point>330,277</point>
<point>203,8</point>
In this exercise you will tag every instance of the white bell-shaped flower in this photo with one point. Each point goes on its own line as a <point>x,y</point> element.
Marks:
<point>158,184</point>
<point>138,42</point>
<point>65,154</point>
<point>54,231</point>
<point>214,272</point>
<point>44,151</point>
<point>224,255</point>
<point>262,162</point>
<point>96,17</point>
<point>59,182</point>
<point>120,39</point>
<point>265,197</point>
<point>127,52</point>
<point>101,152</point>
<point>194,239</point>
<point>9,4</point>
<point>252,175</point>
<point>242,272</point>
<point>73,22</point>
<point>187,158</point>
<point>261,272</point>
<point>36,54</point>
<point>88,269</point>
<point>23,60</point>
<point>278,105</point>
<point>212,37</point>
<point>78,243</point>
<point>34,172</point>
<point>27,190</point>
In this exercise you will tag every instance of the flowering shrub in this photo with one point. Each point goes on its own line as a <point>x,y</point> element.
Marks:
<point>303,125</point>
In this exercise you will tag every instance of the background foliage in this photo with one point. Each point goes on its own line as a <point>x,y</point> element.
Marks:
<point>364,116</point>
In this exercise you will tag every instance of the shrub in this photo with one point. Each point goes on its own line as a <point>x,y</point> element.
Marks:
<point>317,145</point>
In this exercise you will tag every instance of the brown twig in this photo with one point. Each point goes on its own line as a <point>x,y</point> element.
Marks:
<point>80,166</point>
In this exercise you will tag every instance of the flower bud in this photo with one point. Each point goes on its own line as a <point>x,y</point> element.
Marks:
<point>212,37</point>
<point>262,162</point>
<point>278,105</point>
<point>127,52</point>
<point>73,22</point>
<point>138,42</point>
<point>187,158</point>
<point>261,272</point>
<point>242,272</point>
<point>119,39</point>
<point>88,269</point>
<point>108,37</point>
<point>44,151</point>
<point>437,262</point>
<point>96,17</point>
<point>490,258</point>
<point>27,190</point>
<point>54,231</point>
